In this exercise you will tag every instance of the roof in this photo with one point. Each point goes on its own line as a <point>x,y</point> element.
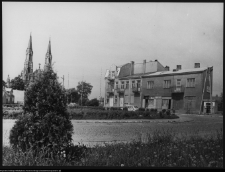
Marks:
<point>176,72</point>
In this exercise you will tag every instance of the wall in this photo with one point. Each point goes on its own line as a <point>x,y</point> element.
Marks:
<point>125,70</point>
<point>18,96</point>
<point>151,67</point>
<point>138,68</point>
<point>158,89</point>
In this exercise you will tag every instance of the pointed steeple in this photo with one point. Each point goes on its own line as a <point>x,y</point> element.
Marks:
<point>48,57</point>
<point>30,43</point>
<point>49,47</point>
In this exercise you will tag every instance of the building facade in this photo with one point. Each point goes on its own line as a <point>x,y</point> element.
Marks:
<point>156,87</point>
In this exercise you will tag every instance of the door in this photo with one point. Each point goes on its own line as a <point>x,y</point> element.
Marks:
<point>158,104</point>
<point>111,101</point>
<point>207,107</point>
<point>178,101</point>
<point>121,101</point>
<point>143,103</point>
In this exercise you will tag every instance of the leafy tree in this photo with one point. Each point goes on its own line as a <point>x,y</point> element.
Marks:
<point>84,100</point>
<point>46,122</point>
<point>17,83</point>
<point>92,102</point>
<point>84,90</point>
<point>72,95</point>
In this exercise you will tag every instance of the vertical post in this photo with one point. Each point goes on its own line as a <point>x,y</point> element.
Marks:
<point>63,80</point>
<point>203,91</point>
<point>210,91</point>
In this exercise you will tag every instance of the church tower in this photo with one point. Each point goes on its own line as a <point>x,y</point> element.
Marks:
<point>48,57</point>
<point>28,65</point>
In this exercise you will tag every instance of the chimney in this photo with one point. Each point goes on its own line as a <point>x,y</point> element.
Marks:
<point>132,68</point>
<point>144,66</point>
<point>167,68</point>
<point>156,60</point>
<point>178,67</point>
<point>197,65</point>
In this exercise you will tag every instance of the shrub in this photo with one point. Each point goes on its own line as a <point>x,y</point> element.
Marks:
<point>45,122</point>
<point>141,109</point>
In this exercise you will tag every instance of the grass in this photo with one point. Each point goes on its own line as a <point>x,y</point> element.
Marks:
<point>161,149</point>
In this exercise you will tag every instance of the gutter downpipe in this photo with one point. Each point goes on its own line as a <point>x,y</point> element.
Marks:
<point>203,91</point>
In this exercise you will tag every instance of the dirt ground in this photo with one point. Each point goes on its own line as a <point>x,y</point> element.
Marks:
<point>96,133</point>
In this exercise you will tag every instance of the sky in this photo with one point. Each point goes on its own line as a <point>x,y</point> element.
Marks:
<point>89,38</point>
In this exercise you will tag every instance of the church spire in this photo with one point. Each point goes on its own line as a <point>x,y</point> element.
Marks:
<point>30,43</point>
<point>49,47</point>
<point>48,57</point>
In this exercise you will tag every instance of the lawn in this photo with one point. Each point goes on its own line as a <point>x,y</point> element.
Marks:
<point>162,149</point>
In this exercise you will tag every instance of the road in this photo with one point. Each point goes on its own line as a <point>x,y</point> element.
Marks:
<point>93,132</point>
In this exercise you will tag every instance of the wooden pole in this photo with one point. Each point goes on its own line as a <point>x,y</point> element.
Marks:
<point>210,91</point>
<point>203,91</point>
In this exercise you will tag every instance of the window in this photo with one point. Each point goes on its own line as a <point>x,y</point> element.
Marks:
<point>150,84</point>
<point>122,85</point>
<point>165,103</point>
<point>117,86</point>
<point>178,82</point>
<point>127,84</point>
<point>115,99</point>
<point>191,82</point>
<point>167,84</point>
<point>107,99</point>
<point>138,83</point>
<point>133,84</point>
<point>151,102</point>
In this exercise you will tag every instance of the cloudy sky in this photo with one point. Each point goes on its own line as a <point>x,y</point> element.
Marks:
<point>88,38</point>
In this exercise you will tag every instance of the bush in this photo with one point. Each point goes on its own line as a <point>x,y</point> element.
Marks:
<point>45,122</point>
<point>141,109</point>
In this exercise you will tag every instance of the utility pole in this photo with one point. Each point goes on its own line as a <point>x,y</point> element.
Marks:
<point>100,85</point>
<point>82,88</point>
<point>210,91</point>
<point>63,80</point>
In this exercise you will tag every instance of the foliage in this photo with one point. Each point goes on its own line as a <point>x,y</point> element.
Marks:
<point>84,90</point>
<point>162,149</point>
<point>45,122</point>
<point>72,95</point>
<point>92,102</point>
<point>116,114</point>
<point>17,83</point>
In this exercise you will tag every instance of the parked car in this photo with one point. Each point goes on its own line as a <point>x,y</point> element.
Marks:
<point>132,107</point>
<point>72,104</point>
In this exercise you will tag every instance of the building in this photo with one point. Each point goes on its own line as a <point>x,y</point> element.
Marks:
<point>7,96</point>
<point>150,85</point>
<point>27,73</point>
<point>123,86</point>
<point>18,96</point>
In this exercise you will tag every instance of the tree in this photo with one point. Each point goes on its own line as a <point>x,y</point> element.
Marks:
<point>46,122</point>
<point>17,83</point>
<point>84,90</point>
<point>92,102</point>
<point>72,95</point>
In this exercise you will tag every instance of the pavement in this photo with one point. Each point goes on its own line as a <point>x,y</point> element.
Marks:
<point>180,119</point>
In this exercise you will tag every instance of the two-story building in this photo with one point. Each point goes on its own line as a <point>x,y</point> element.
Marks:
<point>123,86</point>
<point>150,85</point>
